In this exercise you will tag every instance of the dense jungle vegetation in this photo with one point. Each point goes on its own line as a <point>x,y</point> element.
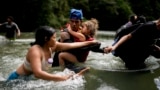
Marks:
<point>111,14</point>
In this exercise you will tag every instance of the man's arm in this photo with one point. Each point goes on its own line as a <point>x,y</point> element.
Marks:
<point>77,34</point>
<point>1,24</point>
<point>17,30</point>
<point>65,37</point>
<point>122,40</point>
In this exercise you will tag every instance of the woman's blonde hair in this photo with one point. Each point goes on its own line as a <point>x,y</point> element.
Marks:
<point>92,25</point>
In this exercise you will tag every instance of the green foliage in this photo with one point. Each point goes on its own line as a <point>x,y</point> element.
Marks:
<point>111,14</point>
<point>148,8</point>
<point>123,8</point>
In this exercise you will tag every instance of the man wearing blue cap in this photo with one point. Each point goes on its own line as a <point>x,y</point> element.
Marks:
<point>76,17</point>
<point>75,22</point>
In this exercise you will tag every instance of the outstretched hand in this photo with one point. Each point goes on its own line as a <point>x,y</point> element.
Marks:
<point>83,71</point>
<point>108,49</point>
<point>73,76</point>
<point>18,34</point>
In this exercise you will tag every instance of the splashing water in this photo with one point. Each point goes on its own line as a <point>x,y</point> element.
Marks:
<point>157,82</point>
<point>111,63</point>
<point>73,83</point>
<point>1,78</point>
<point>106,87</point>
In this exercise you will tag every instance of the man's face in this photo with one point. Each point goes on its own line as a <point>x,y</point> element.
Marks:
<point>75,24</point>
<point>9,20</point>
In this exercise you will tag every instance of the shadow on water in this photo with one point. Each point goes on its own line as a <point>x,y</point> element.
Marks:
<point>107,72</point>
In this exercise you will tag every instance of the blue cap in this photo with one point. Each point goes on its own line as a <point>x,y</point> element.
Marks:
<point>76,14</point>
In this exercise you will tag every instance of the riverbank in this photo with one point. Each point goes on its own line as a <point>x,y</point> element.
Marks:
<point>31,34</point>
<point>107,33</point>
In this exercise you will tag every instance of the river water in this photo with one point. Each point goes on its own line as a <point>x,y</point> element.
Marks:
<point>107,72</point>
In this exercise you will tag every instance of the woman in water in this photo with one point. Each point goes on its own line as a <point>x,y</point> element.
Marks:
<point>39,57</point>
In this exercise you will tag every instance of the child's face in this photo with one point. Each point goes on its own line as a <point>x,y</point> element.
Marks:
<point>85,30</point>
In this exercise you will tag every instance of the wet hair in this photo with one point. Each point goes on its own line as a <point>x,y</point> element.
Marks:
<point>11,17</point>
<point>132,18</point>
<point>141,19</point>
<point>91,25</point>
<point>43,34</point>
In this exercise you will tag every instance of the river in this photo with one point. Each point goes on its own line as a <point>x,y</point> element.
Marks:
<point>107,71</point>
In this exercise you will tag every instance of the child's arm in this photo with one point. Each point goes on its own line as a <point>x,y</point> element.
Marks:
<point>77,34</point>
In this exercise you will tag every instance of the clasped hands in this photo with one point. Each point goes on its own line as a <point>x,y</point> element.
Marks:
<point>108,49</point>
